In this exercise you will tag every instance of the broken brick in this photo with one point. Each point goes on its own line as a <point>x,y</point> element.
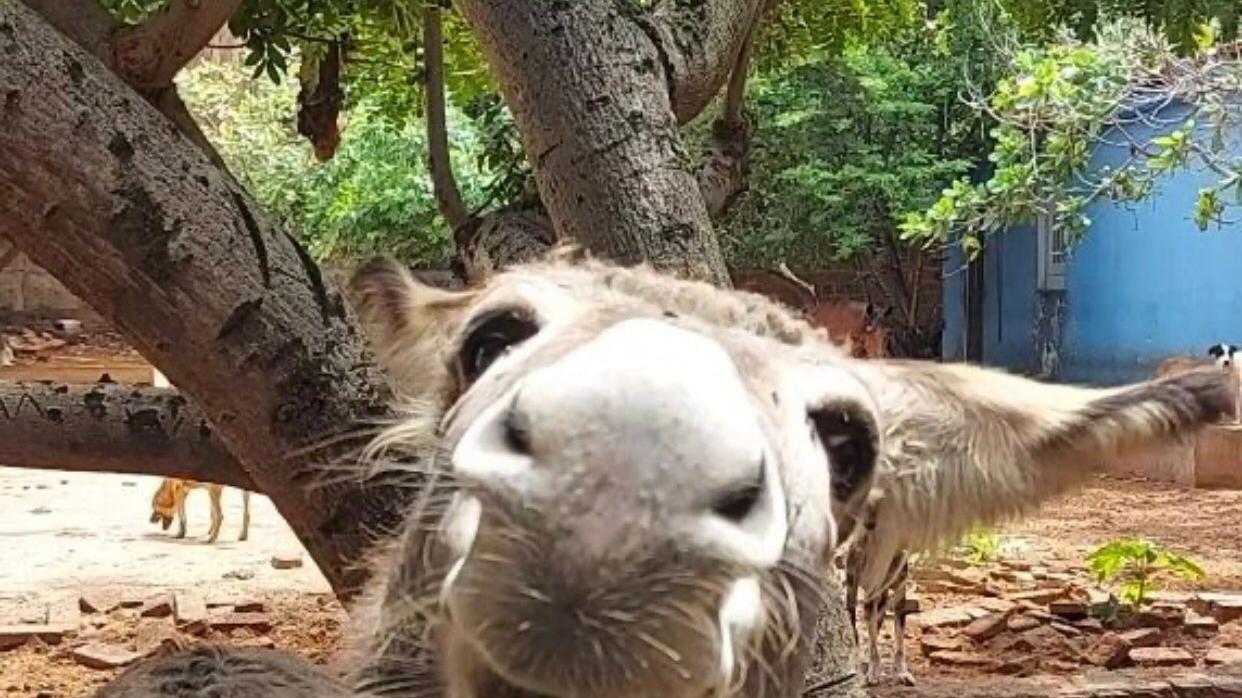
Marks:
<point>1069,610</point>
<point>1110,651</point>
<point>151,634</point>
<point>1066,630</point>
<point>935,643</point>
<point>191,613</point>
<point>287,561</point>
<point>249,606</point>
<point>958,658</point>
<point>1223,655</point>
<point>1161,656</point>
<point>943,617</point>
<point>1201,626</point>
<point>98,655</point>
<point>99,600</point>
<point>996,605</point>
<point>14,636</point>
<point>1142,637</point>
<point>258,622</point>
<point>158,606</point>
<point>987,627</point>
<point>1023,623</point>
<point>1040,596</point>
<point>65,612</point>
<point>1224,607</point>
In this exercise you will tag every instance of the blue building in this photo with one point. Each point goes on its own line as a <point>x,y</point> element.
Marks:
<point>1144,284</point>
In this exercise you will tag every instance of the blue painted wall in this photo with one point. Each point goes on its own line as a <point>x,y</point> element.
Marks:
<point>1144,284</point>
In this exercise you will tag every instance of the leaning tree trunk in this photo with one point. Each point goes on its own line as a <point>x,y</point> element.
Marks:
<point>112,428</point>
<point>590,93</point>
<point>103,192</point>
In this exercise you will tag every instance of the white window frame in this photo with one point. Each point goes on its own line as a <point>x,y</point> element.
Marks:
<point>1053,255</point>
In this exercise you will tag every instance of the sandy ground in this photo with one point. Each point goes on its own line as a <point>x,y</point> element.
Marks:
<point>60,531</point>
<point>66,532</point>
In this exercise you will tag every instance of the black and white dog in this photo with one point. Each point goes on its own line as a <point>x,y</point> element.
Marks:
<point>1226,356</point>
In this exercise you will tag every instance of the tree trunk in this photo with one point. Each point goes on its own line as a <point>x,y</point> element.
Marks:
<point>98,188</point>
<point>110,428</point>
<point>590,93</point>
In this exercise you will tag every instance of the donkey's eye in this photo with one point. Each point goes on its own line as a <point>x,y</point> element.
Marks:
<point>490,336</point>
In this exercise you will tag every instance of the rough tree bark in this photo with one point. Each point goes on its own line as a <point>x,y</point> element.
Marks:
<point>146,56</point>
<point>724,175</point>
<point>149,55</point>
<point>97,188</point>
<point>592,95</point>
<point>110,428</point>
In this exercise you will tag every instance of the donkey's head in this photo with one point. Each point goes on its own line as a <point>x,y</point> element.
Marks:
<point>632,484</point>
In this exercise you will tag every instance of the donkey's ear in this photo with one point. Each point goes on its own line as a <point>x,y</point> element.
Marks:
<point>963,445</point>
<point>406,319</point>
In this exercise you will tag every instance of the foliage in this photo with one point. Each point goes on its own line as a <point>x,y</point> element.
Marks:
<point>373,197</point>
<point>1066,108</point>
<point>1179,20</point>
<point>846,143</point>
<point>980,546</point>
<point>1136,566</point>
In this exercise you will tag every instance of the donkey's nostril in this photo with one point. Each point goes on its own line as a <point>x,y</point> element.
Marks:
<point>736,505</point>
<point>517,431</point>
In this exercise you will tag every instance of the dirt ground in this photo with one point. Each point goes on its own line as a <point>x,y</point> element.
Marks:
<point>65,536</point>
<point>1054,546</point>
<point>65,533</point>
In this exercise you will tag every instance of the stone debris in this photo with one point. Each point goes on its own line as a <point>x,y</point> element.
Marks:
<point>287,561</point>
<point>191,613</point>
<point>1142,637</point>
<point>1161,656</point>
<point>961,659</point>
<point>99,655</point>
<point>153,634</point>
<point>1069,610</point>
<point>258,622</point>
<point>250,606</point>
<point>100,600</point>
<point>1110,651</point>
<point>14,636</point>
<point>943,617</point>
<point>158,606</point>
<point>1066,630</point>
<point>1223,655</point>
<point>987,627</point>
<point>1040,596</point>
<point>65,612</point>
<point>1019,624</point>
<point>1224,608</point>
<point>996,605</point>
<point>1201,626</point>
<point>929,644</point>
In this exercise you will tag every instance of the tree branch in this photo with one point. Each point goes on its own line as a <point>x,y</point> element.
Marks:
<point>700,43</point>
<point>600,130</point>
<point>448,195</point>
<point>111,428</point>
<point>98,190</point>
<point>90,26</point>
<point>149,55</point>
<point>725,174</point>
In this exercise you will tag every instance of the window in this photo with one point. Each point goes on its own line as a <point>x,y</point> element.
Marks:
<point>1053,254</point>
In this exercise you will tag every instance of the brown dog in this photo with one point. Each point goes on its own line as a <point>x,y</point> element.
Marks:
<point>170,499</point>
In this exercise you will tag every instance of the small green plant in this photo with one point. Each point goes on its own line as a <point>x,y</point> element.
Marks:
<point>980,546</point>
<point>1135,567</point>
